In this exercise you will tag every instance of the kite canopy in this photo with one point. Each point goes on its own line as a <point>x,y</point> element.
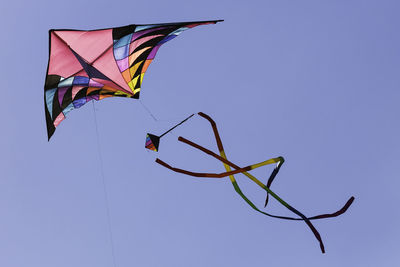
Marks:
<point>93,65</point>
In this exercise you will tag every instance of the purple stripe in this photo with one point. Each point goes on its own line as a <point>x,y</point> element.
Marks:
<point>123,64</point>
<point>61,93</point>
<point>92,97</point>
<point>95,84</point>
<point>153,52</point>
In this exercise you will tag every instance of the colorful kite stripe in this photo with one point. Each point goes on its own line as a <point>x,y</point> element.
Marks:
<point>135,51</point>
<point>152,142</point>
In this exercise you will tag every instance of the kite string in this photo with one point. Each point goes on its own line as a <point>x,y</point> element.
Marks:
<point>176,125</point>
<point>148,110</point>
<point>104,188</point>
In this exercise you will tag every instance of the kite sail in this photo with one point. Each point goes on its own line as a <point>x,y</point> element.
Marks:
<point>95,64</point>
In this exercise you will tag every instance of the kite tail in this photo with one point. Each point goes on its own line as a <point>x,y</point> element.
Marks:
<point>227,167</point>
<point>209,152</point>
<point>229,172</point>
<point>217,175</point>
<point>272,177</point>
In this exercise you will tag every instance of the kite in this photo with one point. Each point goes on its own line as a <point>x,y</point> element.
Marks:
<point>244,170</point>
<point>95,64</point>
<point>153,141</point>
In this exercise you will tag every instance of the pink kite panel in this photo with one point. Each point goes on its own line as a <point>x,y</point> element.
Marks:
<point>107,65</point>
<point>59,119</point>
<point>62,61</point>
<point>89,45</point>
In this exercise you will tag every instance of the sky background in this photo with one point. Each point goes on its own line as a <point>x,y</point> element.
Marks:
<point>314,81</point>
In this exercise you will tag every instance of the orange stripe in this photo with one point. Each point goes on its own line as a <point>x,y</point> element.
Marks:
<point>146,65</point>
<point>126,75</point>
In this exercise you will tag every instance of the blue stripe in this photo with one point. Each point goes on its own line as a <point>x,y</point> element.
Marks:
<point>68,109</point>
<point>123,41</point>
<point>49,100</point>
<point>66,82</point>
<point>79,102</point>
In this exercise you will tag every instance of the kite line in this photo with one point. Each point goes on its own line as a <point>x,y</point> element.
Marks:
<point>148,110</point>
<point>104,189</point>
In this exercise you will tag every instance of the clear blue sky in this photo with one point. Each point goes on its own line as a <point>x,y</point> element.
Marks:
<point>314,81</point>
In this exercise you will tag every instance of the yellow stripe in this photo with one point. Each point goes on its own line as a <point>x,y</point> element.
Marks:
<point>134,68</point>
<point>270,161</point>
<point>254,179</point>
<point>227,167</point>
<point>133,83</point>
<point>118,93</point>
<point>251,177</point>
